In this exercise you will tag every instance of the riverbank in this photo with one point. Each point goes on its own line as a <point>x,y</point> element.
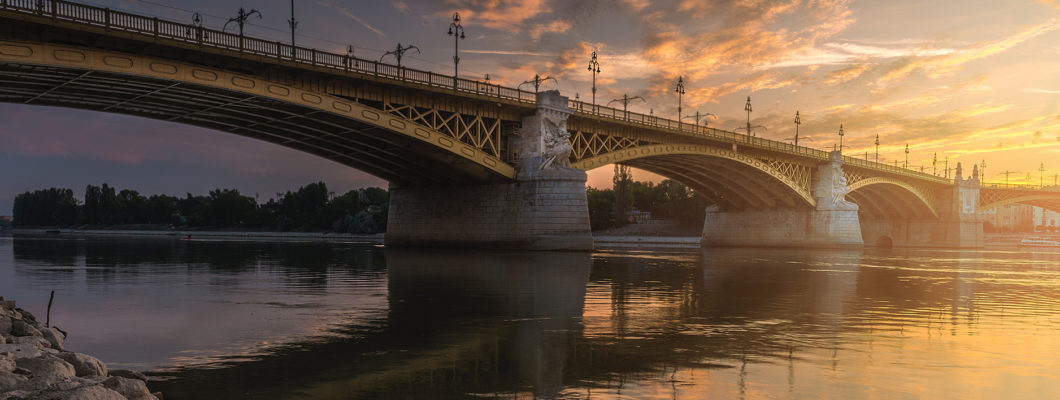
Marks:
<point>376,238</point>
<point>34,364</point>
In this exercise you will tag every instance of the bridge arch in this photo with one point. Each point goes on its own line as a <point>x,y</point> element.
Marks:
<point>345,131</point>
<point>883,198</point>
<point>1049,201</point>
<point>733,181</point>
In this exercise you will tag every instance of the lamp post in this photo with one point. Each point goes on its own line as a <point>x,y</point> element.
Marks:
<point>680,92</point>
<point>906,156</point>
<point>798,121</point>
<point>1007,173</point>
<point>946,162</point>
<point>294,24</point>
<point>625,100</point>
<point>877,148</point>
<point>697,120</point>
<point>934,164</point>
<point>456,30</point>
<point>594,67</point>
<point>747,107</point>
<point>1041,176</point>
<point>982,170</point>
<point>399,52</point>
<point>840,138</point>
<point>537,81</point>
<point>241,18</point>
<point>196,29</point>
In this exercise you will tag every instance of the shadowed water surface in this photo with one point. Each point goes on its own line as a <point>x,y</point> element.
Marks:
<point>251,320</point>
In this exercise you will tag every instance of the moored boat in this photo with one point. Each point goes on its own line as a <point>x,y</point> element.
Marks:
<point>1039,242</point>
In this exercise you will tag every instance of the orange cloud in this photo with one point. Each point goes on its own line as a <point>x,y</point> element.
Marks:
<point>505,15</point>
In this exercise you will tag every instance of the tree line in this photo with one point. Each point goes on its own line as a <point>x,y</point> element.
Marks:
<point>612,208</point>
<point>310,208</point>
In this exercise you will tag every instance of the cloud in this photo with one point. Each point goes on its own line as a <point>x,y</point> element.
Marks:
<point>941,65</point>
<point>1051,3</point>
<point>401,6</point>
<point>349,14</point>
<point>504,15</point>
<point>557,26</point>
<point>1044,91</point>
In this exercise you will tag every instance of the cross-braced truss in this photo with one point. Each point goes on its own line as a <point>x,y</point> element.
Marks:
<point>588,144</point>
<point>481,132</point>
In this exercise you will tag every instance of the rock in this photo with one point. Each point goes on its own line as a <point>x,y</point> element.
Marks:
<point>5,325</point>
<point>34,340</point>
<point>132,389</point>
<point>47,367</point>
<point>26,316</point>
<point>158,395</point>
<point>7,304</point>
<point>84,364</point>
<point>3,339</point>
<point>87,392</point>
<point>54,337</point>
<point>21,328</point>
<point>10,380</point>
<point>124,373</point>
<point>24,350</point>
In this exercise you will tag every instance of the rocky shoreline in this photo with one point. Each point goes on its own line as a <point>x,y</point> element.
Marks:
<point>34,365</point>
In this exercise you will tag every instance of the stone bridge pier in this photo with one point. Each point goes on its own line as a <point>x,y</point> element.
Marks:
<point>959,223</point>
<point>545,208</point>
<point>832,222</point>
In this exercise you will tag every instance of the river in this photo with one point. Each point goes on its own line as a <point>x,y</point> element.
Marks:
<point>248,320</point>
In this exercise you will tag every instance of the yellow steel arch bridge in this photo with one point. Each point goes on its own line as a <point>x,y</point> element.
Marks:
<point>404,125</point>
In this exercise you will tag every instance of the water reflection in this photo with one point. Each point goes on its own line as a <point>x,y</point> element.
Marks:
<point>303,320</point>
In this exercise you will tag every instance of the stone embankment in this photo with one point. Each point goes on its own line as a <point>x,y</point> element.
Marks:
<point>34,365</point>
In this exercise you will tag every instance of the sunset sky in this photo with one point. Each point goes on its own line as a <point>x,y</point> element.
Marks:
<point>969,80</point>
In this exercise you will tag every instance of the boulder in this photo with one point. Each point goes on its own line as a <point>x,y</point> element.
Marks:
<point>7,362</point>
<point>34,340</point>
<point>124,373</point>
<point>132,389</point>
<point>84,364</point>
<point>87,392</point>
<point>7,304</point>
<point>5,325</point>
<point>24,350</point>
<point>10,380</point>
<point>54,337</point>
<point>26,315</point>
<point>48,367</point>
<point>22,328</point>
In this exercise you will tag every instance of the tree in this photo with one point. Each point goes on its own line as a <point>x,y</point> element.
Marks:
<point>623,187</point>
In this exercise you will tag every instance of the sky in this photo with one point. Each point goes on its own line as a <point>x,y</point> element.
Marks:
<point>967,81</point>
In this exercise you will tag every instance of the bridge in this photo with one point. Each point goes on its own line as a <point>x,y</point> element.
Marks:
<point>469,162</point>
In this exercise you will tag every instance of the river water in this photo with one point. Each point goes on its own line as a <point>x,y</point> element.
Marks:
<point>246,320</point>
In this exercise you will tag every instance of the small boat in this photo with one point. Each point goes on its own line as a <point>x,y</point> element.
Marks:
<point>1039,242</point>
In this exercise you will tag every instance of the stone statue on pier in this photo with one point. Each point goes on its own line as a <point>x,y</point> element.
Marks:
<point>542,145</point>
<point>832,186</point>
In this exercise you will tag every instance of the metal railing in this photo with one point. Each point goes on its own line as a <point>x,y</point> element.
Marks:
<point>155,29</point>
<point>1020,186</point>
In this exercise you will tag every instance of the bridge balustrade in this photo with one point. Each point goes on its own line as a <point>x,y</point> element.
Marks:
<point>66,11</point>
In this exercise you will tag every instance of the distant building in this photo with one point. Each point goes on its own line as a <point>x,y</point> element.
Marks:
<point>1012,217</point>
<point>1046,219</point>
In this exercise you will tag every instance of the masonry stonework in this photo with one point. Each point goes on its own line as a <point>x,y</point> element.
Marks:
<point>544,209</point>
<point>832,222</point>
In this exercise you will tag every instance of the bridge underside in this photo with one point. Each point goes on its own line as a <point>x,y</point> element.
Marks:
<point>347,141</point>
<point>731,185</point>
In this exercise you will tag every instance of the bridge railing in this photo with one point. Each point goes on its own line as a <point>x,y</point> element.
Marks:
<point>1019,186</point>
<point>159,29</point>
<point>66,11</point>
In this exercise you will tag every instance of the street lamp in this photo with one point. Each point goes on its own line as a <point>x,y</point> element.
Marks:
<point>798,121</point>
<point>594,67</point>
<point>625,100</point>
<point>934,164</point>
<point>196,29</point>
<point>697,119</point>
<point>294,24</point>
<point>906,156</point>
<point>982,170</point>
<point>537,81</point>
<point>747,107</point>
<point>456,30</point>
<point>840,138</point>
<point>1041,176</point>
<point>399,52</point>
<point>680,92</point>
<point>241,18</point>
<point>877,148</point>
